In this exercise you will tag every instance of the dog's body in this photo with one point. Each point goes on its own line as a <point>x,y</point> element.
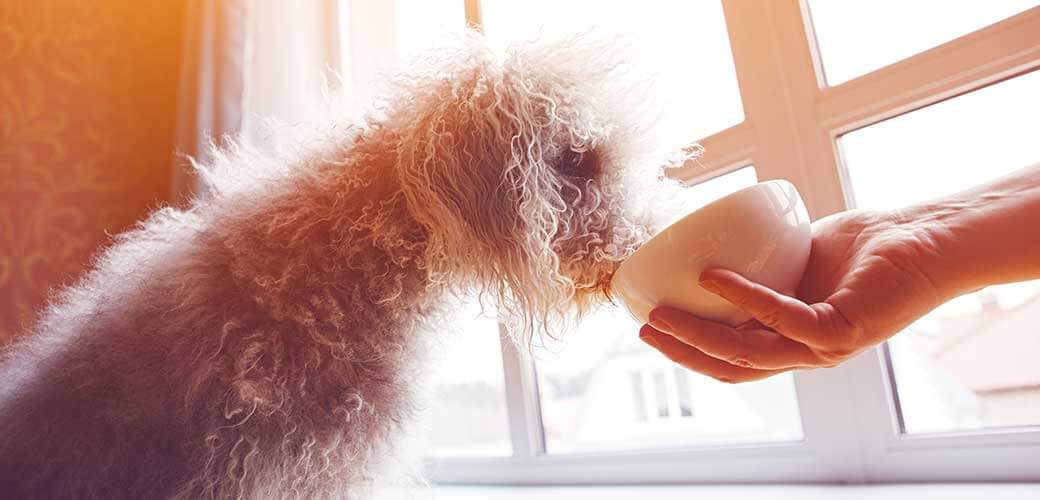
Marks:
<point>261,343</point>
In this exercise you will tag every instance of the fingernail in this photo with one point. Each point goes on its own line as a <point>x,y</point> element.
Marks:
<point>657,322</point>
<point>710,286</point>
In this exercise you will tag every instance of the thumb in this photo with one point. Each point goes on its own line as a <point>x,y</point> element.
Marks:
<point>786,315</point>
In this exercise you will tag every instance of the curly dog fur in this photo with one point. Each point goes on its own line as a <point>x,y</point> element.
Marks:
<point>263,342</point>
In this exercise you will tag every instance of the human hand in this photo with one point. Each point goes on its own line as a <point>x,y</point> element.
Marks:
<point>870,274</point>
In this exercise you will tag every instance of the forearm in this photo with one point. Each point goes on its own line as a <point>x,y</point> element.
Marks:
<point>984,236</point>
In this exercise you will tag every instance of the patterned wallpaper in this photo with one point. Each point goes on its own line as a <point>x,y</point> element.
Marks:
<point>87,119</point>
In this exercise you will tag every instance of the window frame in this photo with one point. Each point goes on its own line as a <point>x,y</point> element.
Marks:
<point>792,123</point>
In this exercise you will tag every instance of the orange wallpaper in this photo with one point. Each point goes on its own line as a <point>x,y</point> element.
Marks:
<point>87,113</point>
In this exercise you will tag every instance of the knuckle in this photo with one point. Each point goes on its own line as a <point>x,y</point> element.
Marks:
<point>745,303</point>
<point>842,343</point>
<point>741,360</point>
<point>847,345</point>
<point>766,309</point>
<point>769,317</point>
<point>737,351</point>
<point>835,355</point>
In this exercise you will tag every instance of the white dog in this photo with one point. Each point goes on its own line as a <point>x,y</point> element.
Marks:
<point>259,344</point>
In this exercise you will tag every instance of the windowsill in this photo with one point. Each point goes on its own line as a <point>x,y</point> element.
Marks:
<point>1004,491</point>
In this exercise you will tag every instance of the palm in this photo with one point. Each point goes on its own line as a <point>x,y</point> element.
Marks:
<point>864,265</point>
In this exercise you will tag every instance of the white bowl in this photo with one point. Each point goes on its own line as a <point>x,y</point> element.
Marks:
<point>761,232</point>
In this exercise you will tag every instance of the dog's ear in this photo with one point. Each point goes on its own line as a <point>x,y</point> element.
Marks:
<point>478,171</point>
<point>453,171</point>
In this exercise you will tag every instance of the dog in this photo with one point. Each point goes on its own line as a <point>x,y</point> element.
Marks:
<point>263,342</point>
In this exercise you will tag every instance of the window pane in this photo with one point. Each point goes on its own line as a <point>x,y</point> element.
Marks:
<point>421,24</point>
<point>465,410</point>
<point>603,389</point>
<point>684,45</point>
<point>947,147</point>
<point>856,38</point>
<point>381,37</point>
<point>971,363</point>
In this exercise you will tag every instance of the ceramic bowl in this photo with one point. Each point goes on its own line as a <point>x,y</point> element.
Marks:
<point>761,232</point>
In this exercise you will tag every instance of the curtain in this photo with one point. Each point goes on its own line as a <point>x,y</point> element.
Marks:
<point>292,54</point>
<point>249,63</point>
<point>211,83</point>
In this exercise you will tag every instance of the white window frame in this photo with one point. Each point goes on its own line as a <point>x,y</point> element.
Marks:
<point>849,418</point>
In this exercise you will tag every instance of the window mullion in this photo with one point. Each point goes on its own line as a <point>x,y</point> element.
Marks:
<point>728,150</point>
<point>521,385</point>
<point>962,65</point>
<point>474,13</point>
<point>777,69</point>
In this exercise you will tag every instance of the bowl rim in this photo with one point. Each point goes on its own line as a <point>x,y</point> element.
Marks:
<point>706,207</point>
<point>612,284</point>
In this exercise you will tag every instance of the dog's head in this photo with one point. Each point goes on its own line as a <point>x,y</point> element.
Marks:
<point>532,174</point>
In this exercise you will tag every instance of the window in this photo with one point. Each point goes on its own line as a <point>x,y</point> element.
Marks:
<point>464,408</point>
<point>945,98</point>
<point>970,364</point>
<point>419,23</point>
<point>936,151</point>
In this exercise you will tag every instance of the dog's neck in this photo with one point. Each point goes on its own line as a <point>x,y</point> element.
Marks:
<point>332,238</point>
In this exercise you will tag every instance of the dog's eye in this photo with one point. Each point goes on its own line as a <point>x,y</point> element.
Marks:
<point>582,164</point>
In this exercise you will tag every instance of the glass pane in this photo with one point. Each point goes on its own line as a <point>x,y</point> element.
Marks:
<point>421,24</point>
<point>971,363</point>
<point>603,389</point>
<point>379,38</point>
<point>947,147</point>
<point>855,38</point>
<point>683,45</point>
<point>465,409</point>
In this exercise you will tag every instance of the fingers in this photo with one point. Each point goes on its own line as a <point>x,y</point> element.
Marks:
<point>750,348</point>
<point>695,360</point>
<point>790,317</point>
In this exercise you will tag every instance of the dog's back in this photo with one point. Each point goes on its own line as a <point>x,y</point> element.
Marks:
<point>191,364</point>
<point>87,409</point>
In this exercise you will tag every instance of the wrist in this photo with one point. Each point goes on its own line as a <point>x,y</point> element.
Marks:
<point>981,237</point>
<point>936,230</point>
